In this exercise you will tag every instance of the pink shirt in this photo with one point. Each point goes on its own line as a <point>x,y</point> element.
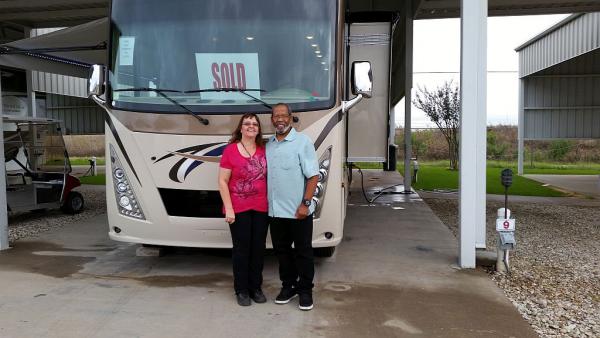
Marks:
<point>248,181</point>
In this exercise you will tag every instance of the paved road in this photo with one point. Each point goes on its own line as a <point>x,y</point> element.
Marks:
<point>588,185</point>
<point>394,275</point>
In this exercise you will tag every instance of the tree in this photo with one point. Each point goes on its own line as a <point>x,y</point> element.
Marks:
<point>442,106</point>
<point>495,149</point>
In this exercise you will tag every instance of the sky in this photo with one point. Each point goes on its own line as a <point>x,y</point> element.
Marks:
<point>436,59</point>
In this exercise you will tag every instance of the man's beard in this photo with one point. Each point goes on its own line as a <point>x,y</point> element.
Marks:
<point>284,130</point>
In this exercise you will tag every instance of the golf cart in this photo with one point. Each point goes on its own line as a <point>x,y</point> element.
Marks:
<point>37,166</point>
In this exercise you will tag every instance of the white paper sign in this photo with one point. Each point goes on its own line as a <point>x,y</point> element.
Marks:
<point>126,47</point>
<point>228,70</point>
<point>505,224</point>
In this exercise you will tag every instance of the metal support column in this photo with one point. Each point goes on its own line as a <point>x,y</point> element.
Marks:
<point>3,213</point>
<point>521,126</point>
<point>473,78</point>
<point>408,73</point>
<point>31,105</point>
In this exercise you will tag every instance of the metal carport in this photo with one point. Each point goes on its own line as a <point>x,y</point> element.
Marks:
<point>52,13</point>
<point>559,76</point>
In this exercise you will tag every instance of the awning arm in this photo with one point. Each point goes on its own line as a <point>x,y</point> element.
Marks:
<point>4,49</point>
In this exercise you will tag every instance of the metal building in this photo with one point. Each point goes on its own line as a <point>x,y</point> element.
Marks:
<point>559,73</point>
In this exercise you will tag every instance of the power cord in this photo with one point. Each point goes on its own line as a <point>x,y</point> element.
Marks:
<point>362,186</point>
<point>89,172</point>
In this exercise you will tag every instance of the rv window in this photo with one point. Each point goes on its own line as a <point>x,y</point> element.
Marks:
<point>284,48</point>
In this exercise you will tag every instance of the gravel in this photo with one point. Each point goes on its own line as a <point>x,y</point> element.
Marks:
<point>555,273</point>
<point>27,224</point>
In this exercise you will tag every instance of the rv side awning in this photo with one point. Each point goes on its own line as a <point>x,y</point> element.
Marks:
<point>69,60</point>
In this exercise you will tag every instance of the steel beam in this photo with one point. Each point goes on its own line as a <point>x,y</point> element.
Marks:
<point>3,213</point>
<point>408,98</point>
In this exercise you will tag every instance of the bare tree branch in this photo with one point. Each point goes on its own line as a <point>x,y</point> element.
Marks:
<point>442,106</point>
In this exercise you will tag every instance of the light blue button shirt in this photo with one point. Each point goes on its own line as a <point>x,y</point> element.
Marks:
<point>290,162</point>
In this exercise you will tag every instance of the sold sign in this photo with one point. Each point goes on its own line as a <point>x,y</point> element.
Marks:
<point>227,70</point>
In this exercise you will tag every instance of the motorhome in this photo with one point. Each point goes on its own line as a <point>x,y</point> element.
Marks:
<point>180,74</point>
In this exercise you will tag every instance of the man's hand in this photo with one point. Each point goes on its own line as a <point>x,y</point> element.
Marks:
<point>302,212</point>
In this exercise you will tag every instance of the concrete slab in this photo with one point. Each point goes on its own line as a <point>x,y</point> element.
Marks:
<point>394,275</point>
<point>580,201</point>
<point>588,185</point>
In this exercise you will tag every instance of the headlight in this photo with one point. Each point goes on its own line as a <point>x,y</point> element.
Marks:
<point>126,199</point>
<point>121,187</point>
<point>319,190</point>
<point>124,202</point>
<point>319,194</point>
<point>119,173</point>
<point>322,174</point>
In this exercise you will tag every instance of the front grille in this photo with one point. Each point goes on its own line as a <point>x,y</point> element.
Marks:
<point>192,203</point>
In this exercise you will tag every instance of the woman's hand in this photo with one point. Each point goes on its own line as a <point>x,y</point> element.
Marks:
<point>229,215</point>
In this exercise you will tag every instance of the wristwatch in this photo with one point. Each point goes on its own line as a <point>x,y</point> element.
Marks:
<point>306,202</point>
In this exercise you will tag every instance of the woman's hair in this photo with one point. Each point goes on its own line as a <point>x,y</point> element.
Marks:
<point>236,136</point>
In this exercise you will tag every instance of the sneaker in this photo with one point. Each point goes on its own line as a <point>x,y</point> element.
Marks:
<point>306,302</point>
<point>285,296</point>
<point>243,299</point>
<point>258,296</point>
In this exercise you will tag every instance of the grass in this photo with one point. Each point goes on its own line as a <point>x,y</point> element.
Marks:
<point>85,160</point>
<point>550,168</point>
<point>96,180</point>
<point>435,176</point>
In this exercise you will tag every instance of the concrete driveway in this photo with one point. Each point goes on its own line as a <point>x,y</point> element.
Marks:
<point>588,185</point>
<point>394,275</point>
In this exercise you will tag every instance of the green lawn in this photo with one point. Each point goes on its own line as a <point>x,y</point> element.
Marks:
<point>550,168</point>
<point>85,160</point>
<point>97,180</point>
<point>435,175</point>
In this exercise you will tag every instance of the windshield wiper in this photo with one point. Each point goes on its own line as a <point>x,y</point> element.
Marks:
<point>239,90</point>
<point>162,92</point>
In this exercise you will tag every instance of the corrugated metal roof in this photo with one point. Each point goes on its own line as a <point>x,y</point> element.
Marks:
<point>63,13</point>
<point>549,30</point>
<point>52,13</point>
<point>572,37</point>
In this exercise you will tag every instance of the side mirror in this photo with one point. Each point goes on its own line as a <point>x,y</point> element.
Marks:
<point>362,78</point>
<point>96,81</point>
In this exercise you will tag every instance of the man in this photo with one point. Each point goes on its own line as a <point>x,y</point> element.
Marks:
<point>291,181</point>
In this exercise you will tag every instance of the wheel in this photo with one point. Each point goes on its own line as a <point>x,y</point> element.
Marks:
<point>73,204</point>
<point>324,252</point>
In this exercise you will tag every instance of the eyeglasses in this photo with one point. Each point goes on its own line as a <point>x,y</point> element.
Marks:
<point>250,124</point>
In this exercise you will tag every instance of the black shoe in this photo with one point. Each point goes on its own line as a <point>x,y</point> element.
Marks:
<point>243,299</point>
<point>285,296</point>
<point>258,296</point>
<point>305,303</point>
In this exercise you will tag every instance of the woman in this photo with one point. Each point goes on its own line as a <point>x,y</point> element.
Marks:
<point>243,188</point>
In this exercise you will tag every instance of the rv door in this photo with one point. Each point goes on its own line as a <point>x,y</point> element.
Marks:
<point>368,121</point>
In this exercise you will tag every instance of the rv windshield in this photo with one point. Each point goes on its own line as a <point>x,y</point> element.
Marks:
<point>275,50</point>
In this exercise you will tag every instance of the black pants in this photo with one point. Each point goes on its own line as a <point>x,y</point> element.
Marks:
<point>248,234</point>
<point>296,265</point>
